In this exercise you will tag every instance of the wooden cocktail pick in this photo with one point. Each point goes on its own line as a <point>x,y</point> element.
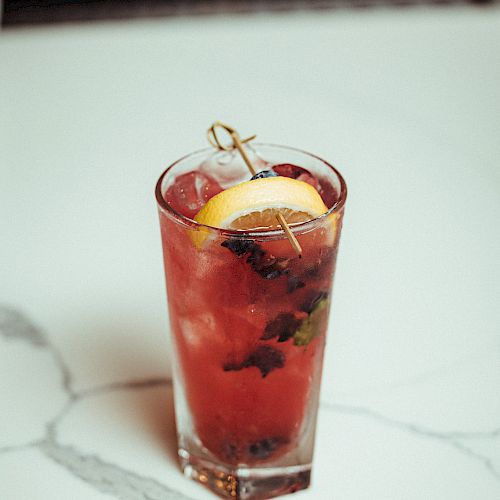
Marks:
<point>237,143</point>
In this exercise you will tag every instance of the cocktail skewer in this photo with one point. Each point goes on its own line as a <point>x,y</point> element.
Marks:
<point>238,144</point>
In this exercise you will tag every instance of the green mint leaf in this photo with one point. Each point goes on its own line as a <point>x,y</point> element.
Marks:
<point>311,326</point>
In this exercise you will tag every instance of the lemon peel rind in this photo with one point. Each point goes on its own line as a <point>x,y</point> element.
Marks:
<point>255,196</point>
<point>259,194</point>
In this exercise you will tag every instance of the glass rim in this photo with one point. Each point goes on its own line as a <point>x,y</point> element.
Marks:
<point>298,228</point>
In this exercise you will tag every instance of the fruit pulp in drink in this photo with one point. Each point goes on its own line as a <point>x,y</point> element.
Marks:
<point>249,322</point>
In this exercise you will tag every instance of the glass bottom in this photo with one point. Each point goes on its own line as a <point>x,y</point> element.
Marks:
<point>245,483</point>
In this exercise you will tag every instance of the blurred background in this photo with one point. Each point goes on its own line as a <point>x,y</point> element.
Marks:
<point>19,12</point>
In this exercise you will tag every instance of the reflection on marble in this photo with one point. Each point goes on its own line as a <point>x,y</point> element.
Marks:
<point>118,440</point>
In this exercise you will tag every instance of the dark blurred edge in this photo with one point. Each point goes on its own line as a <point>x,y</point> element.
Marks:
<point>22,12</point>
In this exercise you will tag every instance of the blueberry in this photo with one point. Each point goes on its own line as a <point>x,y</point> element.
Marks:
<point>257,258</point>
<point>323,264</point>
<point>289,170</point>
<point>232,367</point>
<point>239,246</point>
<point>313,271</point>
<point>283,327</point>
<point>265,358</point>
<point>265,447</point>
<point>264,174</point>
<point>266,265</point>
<point>294,283</point>
<point>271,274</point>
<point>263,263</point>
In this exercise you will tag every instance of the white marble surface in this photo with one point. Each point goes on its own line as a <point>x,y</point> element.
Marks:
<point>406,102</point>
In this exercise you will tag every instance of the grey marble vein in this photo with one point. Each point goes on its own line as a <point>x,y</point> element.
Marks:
<point>103,476</point>
<point>453,439</point>
<point>128,485</point>
<point>474,434</point>
<point>486,461</point>
<point>19,447</point>
<point>104,389</point>
<point>107,477</point>
<point>14,325</point>
<point>67,379</point>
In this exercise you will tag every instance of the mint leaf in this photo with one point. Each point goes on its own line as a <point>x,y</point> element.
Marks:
<point>311,326</point>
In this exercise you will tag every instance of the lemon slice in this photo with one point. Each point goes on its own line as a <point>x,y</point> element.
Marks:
<point>254,205</point>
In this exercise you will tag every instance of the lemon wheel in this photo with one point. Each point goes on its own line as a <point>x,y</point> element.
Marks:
<point>253,205</point>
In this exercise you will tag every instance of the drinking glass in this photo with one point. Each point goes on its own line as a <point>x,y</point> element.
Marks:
<point>248,321</point>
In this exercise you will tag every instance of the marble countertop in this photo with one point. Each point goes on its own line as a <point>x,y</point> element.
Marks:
<point>405,102</point>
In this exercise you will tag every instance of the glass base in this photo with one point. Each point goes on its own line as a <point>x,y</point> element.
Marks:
<point>245,483</point>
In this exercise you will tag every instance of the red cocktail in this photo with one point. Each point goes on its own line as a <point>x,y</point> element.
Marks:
<point>249,321</point>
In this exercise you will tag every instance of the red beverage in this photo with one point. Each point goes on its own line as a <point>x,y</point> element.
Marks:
<point>249,322</point>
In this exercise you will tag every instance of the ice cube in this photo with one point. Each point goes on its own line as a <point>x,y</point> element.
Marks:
<point>328,193</point>
<point>191,191</point>
<point>229,169</point>
<point>296,172</point>
<point>198,330</point>
<point>226,168</point>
